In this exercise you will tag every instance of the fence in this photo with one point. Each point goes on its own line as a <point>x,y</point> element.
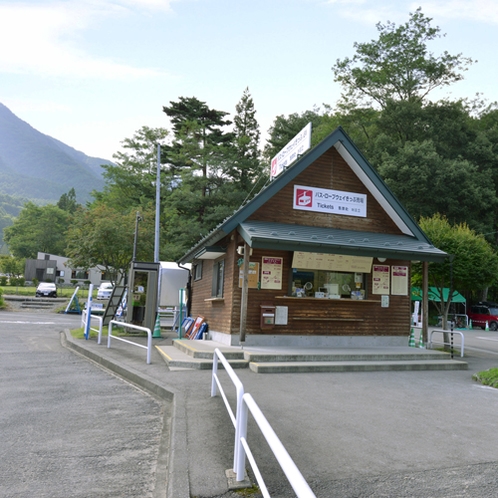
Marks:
<point>462,344</point>
<point>84,314</point>
<point>131,326</point>
<point>246,404</point>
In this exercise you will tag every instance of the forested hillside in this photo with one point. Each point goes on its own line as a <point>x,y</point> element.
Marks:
<point>40,168</point>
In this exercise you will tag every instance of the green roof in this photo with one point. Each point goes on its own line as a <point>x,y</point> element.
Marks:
<point>413,244</point>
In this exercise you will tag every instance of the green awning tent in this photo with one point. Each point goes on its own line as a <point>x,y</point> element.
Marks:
<point>435,295</point>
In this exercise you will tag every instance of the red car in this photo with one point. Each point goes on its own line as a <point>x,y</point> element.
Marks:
<point>482,313</point>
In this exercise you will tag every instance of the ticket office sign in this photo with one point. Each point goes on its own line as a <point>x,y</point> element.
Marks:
<point>323,200</point>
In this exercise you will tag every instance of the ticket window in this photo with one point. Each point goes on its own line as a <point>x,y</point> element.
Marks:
<point>328,284</point>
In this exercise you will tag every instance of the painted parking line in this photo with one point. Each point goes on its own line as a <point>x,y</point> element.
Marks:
<point>23,322</point>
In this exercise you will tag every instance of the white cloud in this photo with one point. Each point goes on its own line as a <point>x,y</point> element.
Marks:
<point>372,11</point>
<point>485,11</point>
<point>42,39</point>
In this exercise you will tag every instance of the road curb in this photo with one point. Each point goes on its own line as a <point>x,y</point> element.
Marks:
<point>175,481</point>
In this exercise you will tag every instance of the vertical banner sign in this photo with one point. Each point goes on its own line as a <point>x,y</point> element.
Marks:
<point>297,146</point>
<point>399,280</point>
<point>380,279</point>
<point>271,273</point>
<point>88,312</point>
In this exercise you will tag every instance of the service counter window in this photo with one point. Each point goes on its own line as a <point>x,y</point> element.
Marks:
<point>328,284</point>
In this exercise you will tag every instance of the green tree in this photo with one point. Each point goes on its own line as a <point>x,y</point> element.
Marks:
<point>428,183</point>
<point>398,66</point>
<point>472,266</point>
<point>38,229</point>
<point>104,236</point>
<point>67,202</point>
<point>12,267</point>
<point>132,179</point>
<point>246,166</point>
<point>200,157</point>
<point>199,138</point>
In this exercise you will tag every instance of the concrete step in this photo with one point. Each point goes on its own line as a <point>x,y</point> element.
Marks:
<point>348,355</point>
<point>199,355</point>
<point>177,359</point>
<point>39,305</point>
<point>356,366</point>
<point>205,349</point>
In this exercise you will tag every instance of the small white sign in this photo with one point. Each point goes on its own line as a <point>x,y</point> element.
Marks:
<point>297,146</point>
<point>323,200</point>
<point>281,315</point>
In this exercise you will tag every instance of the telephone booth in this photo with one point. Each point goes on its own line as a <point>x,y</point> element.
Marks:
<point>143,293</point>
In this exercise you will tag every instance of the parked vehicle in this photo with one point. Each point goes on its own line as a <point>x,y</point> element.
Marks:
<point>484,313</point>
<point>105,290</point>
<point>46,289</point>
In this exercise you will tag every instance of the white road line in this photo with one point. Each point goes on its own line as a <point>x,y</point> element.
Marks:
<point>27,322</point>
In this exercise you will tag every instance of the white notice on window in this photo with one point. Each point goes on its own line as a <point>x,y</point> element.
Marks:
<point>399,280</point>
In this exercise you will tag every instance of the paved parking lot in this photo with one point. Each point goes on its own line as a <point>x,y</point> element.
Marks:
<point>68,428</point>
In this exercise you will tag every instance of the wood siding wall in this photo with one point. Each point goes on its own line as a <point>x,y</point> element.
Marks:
<point>306,316</point>
<point>330,171</point>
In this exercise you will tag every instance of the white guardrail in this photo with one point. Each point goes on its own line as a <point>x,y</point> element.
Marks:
<point>462,344</point>
<point>93,317</point>
<point>246,404</point>
<point>131,326</point>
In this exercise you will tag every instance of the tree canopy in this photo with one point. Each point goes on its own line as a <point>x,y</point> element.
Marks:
<point>398,65</point>
<point>473,263</point>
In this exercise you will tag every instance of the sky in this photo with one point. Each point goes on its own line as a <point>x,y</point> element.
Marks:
<point>92,72</point>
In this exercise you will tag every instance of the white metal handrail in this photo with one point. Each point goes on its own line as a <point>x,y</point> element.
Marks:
<point>215,382</point>
<point>100,319</point>
<point>246,403</point>
<point>462,345</point>
<point>294,476</point>
<point>131,326</point>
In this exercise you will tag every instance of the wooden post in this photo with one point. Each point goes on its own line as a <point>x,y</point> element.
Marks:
<point>243,298</point>
<point>425,301</point>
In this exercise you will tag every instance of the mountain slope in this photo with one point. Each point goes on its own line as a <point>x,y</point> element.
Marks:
<point>41,168</point>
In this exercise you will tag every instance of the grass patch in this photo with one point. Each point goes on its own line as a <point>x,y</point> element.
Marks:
<point>80,333</point>
<point>118,331</point>
<point>487,377</point>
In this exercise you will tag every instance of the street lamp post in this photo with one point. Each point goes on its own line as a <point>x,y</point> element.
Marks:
<point>137,219</point>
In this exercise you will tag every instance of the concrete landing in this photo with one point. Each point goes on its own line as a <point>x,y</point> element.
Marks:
<point>185,354</point>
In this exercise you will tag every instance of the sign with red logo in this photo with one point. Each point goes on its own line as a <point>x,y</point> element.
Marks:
<point>329,201</point>
<point>304,197</point>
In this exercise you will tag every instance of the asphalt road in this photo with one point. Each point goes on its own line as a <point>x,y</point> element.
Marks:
<point>69,428</point>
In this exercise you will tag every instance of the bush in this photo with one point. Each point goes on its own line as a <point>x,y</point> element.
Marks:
<point>3,280</point>
<point>35,282</point>
<point>2,302</point>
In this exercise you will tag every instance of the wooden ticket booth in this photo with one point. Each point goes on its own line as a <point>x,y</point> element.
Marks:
<point>321,256</point>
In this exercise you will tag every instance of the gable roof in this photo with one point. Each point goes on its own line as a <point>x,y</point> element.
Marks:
<point>413,244</point>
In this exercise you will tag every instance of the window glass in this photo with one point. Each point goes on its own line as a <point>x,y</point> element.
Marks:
<point>321,283</point>
<point>218,277</point>
<point>198,270</point>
